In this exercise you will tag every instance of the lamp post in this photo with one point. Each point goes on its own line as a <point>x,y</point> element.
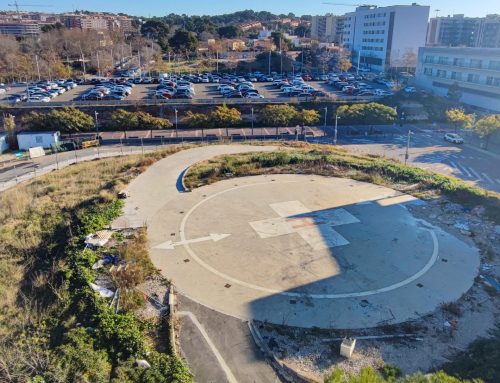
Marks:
<point>96,124</point>
<point>324,126</point>
<point>252,122</point>
<point>176,127</point>
<point>407,154</point>
<point>335,133</point>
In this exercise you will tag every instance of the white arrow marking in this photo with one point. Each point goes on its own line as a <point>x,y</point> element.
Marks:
<point>169,245</point>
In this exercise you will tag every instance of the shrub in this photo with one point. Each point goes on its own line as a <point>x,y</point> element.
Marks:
<point>371,113</point>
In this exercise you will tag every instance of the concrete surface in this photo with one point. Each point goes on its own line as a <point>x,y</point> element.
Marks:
<point>296,249</point>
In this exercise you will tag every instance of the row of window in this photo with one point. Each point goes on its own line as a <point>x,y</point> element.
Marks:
<point>373,40</point>
<point>459,76</point>
<point>374,24</point>
<point>368,48</point>
<point>460,62</point>
<point>373,15</point>
<point>374,32</point>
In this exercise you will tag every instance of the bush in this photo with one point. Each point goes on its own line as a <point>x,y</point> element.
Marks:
<point>371,113</point>
<point>124,120</point>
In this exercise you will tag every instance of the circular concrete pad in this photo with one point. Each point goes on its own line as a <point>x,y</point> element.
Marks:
<point>308,251</point>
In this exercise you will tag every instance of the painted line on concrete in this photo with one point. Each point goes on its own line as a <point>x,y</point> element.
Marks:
<point>222,275</point>
<point>478,177</point>
<point>487,178</point>
<point>230,377</point>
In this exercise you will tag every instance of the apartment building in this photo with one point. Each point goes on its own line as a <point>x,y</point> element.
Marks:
<point>458,30</point>
<point>327,28</point>
<point>489,34</point>
<point>97,22</point>
<point>20,29</point>
<point>384,37</point>
<point>454,31</point>
<point>476,72</point>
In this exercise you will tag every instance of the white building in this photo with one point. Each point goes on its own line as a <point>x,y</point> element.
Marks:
<point>4,144</point>
<point>386,37</point>
<point>476,72</point>
<point>27,140</point>
<point>327,28</point>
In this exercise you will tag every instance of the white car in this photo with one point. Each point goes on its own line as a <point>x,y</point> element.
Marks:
<point>453,138</point>
<point>410,89</point>
<point>254,95</point>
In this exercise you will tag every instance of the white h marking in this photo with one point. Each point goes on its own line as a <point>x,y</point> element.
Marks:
<point>313,227</point>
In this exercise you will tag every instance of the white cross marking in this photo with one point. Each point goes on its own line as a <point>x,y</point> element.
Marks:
<point>313,227</point>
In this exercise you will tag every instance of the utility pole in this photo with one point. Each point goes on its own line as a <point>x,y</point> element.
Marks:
<point>324,127</point>
<point>98,64</point>
<point>96,124</point>
<point>37,67</point>
<point>269,61</point>
<point>336,125</point>
<point>252,122</point>
<point>281,58</point>
<point>176,129</point>
<point>216,60</point>
<point>407,154</point>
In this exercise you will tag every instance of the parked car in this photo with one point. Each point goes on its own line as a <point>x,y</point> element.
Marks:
<point>453,138</point>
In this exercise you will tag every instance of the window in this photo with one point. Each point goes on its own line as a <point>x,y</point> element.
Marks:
<point>441,73</point>
<point>39,139</point>
<point>428,71</point>
<point>456,76</point>
<point>495,65</point>
<point>475,63</point>
<point>429,59</point>
<point>473,78</point>
<point>443,60</point>
<point>458,62</point>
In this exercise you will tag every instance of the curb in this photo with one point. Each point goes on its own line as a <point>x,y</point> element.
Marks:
<point>283,371</point>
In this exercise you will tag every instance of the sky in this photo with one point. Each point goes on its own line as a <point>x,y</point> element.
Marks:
<point>210,7</point>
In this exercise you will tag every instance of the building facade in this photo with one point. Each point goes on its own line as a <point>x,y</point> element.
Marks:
<point>327,28</point>
<point>489,34</point>
<point>385,37</point>
<point>454,31</point>
<point>20,29</point>
<point>475,72</point>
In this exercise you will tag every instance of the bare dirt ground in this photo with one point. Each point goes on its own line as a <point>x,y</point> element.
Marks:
<point>429,342</point>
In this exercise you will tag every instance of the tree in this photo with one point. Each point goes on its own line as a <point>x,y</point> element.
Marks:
<point>308,117</point>
<point>183,40</point>
<point>278,115</point>
<point>454,92</point>
<point>458,117</point>
<point>123,120</point>
<point>196,121</point>
<point>229,32</point>
<point>155,29</point>
<point>371,113</point>
<point>148,122</point>
<point>67,119</point>
<point>487,126</point>
<point>223,116</point>
<point>9,126</point>
<point>302,31</point>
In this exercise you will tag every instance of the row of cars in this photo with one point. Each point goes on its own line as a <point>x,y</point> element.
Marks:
<point>296,86</point>
<point>42,91</point>
<point>109,90</point>
<point>355,85</point>
<point>173,88</point>
<point>240,89</point>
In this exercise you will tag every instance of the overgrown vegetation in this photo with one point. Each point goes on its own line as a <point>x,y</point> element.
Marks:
<point>124,120</point>
<point>369,375</point>
<point>371,113</point>
<point>338,163</point>
<point>53,327</point>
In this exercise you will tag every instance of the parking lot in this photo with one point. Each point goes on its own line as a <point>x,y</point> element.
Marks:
<point>201,91</point>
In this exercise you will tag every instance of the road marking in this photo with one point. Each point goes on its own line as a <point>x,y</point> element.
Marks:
<point>421,272</point>
<point>229,375</point>
<point>497,181</point>
<point>461,168</point>
<point>478,177</point>
<point>487,178</point>
<point>170,245</point>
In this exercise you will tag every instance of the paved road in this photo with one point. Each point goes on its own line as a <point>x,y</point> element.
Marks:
<point>428,150</point>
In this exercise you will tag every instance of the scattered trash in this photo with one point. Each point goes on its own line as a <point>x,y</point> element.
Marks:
<point>461,226</point>
<point>108,259</point>
<point>103,292</point>
<point>142,363</point>
<point>99,239</point>
<point>491,282</point>
<point>347,347</point>
<point>123,194</point>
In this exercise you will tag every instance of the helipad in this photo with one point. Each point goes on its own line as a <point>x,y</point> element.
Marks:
<point>307,251</point>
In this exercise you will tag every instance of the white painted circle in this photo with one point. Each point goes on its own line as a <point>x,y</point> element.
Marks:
<point>206,266</point>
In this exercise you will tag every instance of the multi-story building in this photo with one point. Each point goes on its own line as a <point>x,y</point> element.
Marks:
<point>475,72</point>
<point>97,22</point>
<point>327,28</point>
<point>20,29</point>
<point>489,35</point>
<point>454,31</point>
<point>385,37</point>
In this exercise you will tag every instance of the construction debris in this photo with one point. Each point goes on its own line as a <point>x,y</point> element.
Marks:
<point>99,239</point>
<point>103,292</point>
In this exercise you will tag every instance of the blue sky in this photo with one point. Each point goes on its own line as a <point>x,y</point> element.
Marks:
<point>211,7</point>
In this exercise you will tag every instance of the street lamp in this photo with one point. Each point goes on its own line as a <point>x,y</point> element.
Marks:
<point>407,154</point>
<point>324,127</point>
<point>335,133</point>
<point>252,122</point>
<point>176,129</point>
<point>96,125</point>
